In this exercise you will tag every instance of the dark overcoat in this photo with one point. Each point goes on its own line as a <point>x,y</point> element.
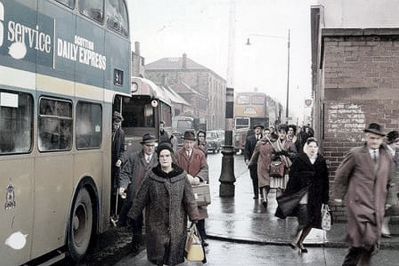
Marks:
<point>249,148</point>
<point>366,190</point>
<point>118,151</point>
<point>195,165</point>
<point>134,171</point>
<point>168,199</point>
<point>311,178</point>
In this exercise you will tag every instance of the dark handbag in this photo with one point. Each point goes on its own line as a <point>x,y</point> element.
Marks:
<point>276,169</point>
<point>288,202</point>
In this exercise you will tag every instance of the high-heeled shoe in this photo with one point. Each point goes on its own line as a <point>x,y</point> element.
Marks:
<point>293,245</point>
<point>302,249</point>
<point>264,203</point>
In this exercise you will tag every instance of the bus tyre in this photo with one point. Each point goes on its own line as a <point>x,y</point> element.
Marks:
<point>80,225</point>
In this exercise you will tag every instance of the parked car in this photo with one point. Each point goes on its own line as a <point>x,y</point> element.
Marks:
<point>213,141</point>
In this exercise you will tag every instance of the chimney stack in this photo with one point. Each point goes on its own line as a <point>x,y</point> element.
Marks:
<point>184,61</point>
<point>137,48</point>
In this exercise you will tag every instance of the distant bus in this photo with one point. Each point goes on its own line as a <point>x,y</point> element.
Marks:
<point>62,63</point>
<point>148,105</point>
<point>250,109</point>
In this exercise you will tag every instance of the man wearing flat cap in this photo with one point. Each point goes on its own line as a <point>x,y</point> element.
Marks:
<point>117,151</point>
<point>133,172</point>
<point>364,176</point>
<point>249,148</point>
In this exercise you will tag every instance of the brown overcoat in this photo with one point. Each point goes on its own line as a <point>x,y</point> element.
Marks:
<point>262,156</point>
<point>195,165</point>
<point>168,199</point>
<point>366,188</point>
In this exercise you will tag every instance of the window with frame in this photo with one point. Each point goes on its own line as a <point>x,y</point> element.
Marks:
<point>138,112</point>
<point>93,9</point>
<point>16,122</point>
<point>258,99</point>
<point>243,99</point>
<point>55,124</point>
<point>88,125</point>
<point>116,16</point>
<point>68,3</point>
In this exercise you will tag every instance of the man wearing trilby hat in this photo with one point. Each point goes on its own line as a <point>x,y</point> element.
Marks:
<point>364,176</point>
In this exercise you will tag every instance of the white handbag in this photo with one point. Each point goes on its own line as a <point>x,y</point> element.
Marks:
<point>325,217</point>
<point>193,250</point>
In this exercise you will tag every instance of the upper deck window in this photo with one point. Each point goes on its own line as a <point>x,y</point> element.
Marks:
<point>55,124</point>
<point>68,3</point>
<point>16,121</point>
<point>243,99</point>
<point>116,16</point>
<point>93,9</point>
<point>258,99</point>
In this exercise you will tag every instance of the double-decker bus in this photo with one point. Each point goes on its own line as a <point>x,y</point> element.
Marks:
<point>62,62</point>
<point>148,105</point>
<point>250,108</point>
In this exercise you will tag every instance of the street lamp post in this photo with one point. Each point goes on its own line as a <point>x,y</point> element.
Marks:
<point>288,65</point>
<point>227,178</point>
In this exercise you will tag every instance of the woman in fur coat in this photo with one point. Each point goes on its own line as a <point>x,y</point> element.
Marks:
<point>307,190</point>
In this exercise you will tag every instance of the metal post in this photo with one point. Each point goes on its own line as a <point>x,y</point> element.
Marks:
<point>288,79</point>
<point>227,178</point>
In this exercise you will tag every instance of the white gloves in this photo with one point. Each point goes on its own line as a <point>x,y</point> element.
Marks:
<point>195,181</point>
<point>122,193</point>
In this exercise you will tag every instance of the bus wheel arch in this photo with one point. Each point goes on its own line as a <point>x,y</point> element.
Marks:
<point>83,219</point>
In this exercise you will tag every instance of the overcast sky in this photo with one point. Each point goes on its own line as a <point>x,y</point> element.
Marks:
<point>200,28</point>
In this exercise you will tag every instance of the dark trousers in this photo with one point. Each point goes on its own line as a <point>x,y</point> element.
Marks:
<point>201,229</point>
<point>357,255</point>
<point>253,172</point>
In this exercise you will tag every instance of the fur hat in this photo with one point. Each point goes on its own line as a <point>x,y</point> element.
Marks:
<point>165,146</point>
<point>392,136</point>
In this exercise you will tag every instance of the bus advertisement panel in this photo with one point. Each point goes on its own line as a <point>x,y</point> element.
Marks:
<point>59,74</point>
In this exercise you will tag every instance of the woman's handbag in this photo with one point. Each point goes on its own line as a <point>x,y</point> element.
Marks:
<point>193,249</point>
<point>325,217</point>
<point>276,169</point>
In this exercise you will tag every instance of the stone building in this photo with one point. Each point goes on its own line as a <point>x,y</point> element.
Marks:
<point>198,85</point>
<point>355,58</point>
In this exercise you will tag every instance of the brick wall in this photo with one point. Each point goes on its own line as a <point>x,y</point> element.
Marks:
<point>361,86</point>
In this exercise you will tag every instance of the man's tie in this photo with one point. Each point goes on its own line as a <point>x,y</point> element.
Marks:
<point>375,156</point>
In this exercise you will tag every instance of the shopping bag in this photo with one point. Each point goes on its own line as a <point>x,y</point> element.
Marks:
<point>193,250</point>
<point>325,217</point>
<point>202,194</point>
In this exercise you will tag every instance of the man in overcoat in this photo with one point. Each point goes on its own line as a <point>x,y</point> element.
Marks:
<point>193,161</point>
<point>249,148</point>
<point>364,176</point>
<point>117,151</point>
<point>137,166</point>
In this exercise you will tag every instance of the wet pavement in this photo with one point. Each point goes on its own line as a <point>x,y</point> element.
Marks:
<point>243,219</point>
<point>242,232</point>
<point>237,254</point>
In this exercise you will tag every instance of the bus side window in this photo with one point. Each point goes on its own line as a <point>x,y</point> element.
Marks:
<point>88,125</point>
<point>16,122</point>
<point>93,9</point>
<point>68,3</point>
<point>116,16</point>
<point>55,125</point>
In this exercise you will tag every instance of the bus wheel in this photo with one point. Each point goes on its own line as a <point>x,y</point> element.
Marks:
<point>80,225</point>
